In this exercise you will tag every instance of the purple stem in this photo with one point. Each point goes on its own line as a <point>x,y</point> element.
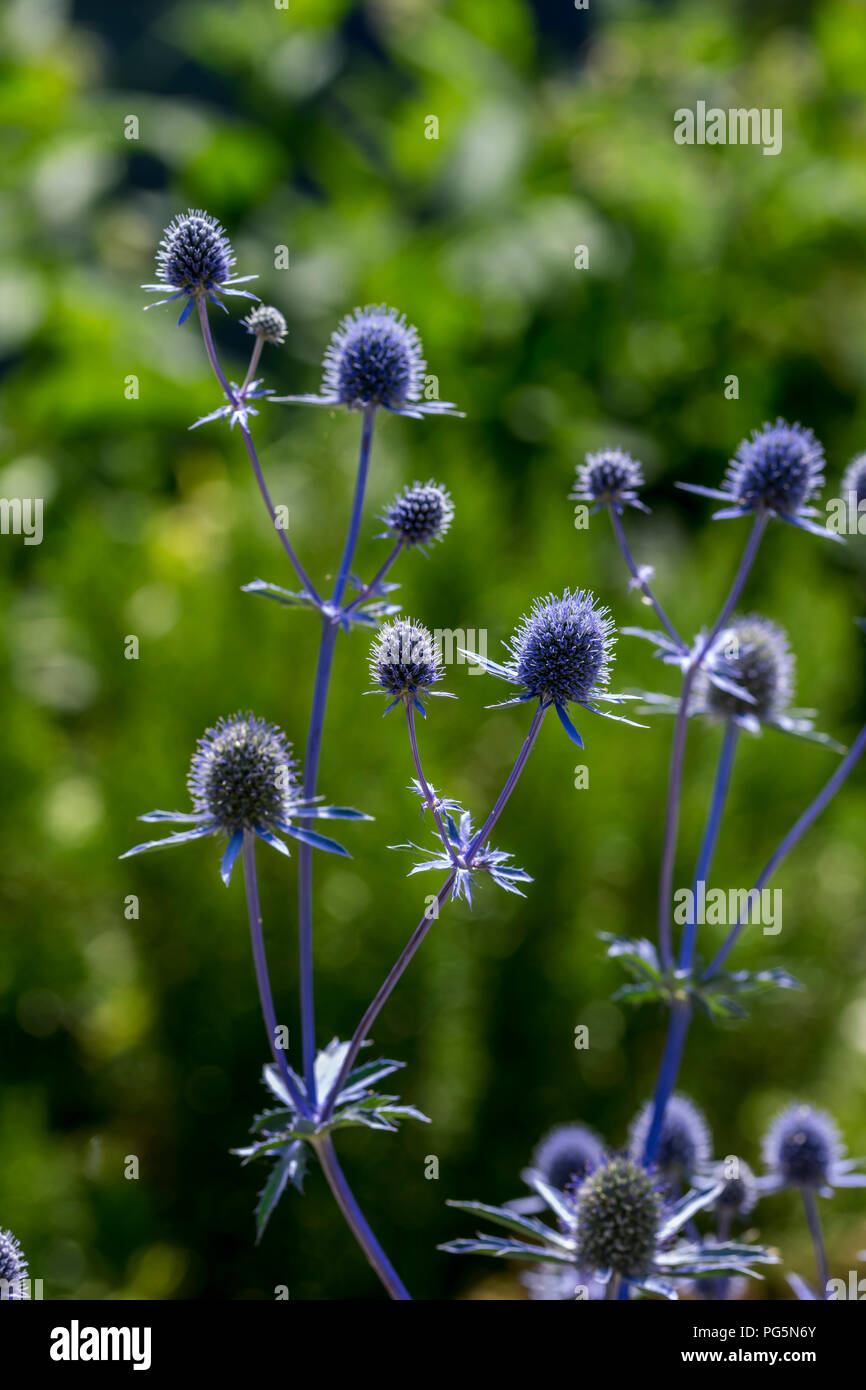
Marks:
<point>253,456</point>
<point>377,578</point>
<point>798,829</point>
<point>356,1221</point>
<point>813,1220</point>
<point>710,838</point>
<point>254,361</point>
<point>260,962</point>
<point>429,798</point>
<point>642,584</point>
<point>430,916</point>
<point>675,777</point>
<point>311,763</point>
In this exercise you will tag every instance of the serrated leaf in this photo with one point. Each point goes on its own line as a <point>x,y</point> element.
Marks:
<point>290,1168</point>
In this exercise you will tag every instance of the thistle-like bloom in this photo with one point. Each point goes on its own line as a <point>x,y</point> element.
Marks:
<point>243,781</point>
<point>14,1274</point>
<point>567,1155</point>
<point>375,359</point>
<point>802,1148</point>
<point>609,478</point>
<point>854,481</point>
<point>266,322</point>
<point>739,1194</point>
<point>617,1222</point>
<point>404,663</point>
<point>747,678</point>
<point>466,861</point>
<point>421,513</point>
<point>195,260</point>
<point>778,471</point>
<point>685,1144</point>
<point>561,653</point>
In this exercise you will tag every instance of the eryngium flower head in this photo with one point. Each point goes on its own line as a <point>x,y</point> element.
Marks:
<point>195,259</point>
<point>561,652</point>
<point>740,1192</point>
<point>243,774</point>
<point>802,1148</point>
<point>266,322</point>
<point>375,359</point>
<point>778,471</point>
<point>404,663</point>
<point>421,513</point>
<point>243,782</point>
<point>618,1214</point>
<point>746,678</point>
<point>753,655</point>
<point>854,482</point>
<point>567,1154</point>
<point>14,1276</point>
<point>685,1143</point>
<point>609,478</point>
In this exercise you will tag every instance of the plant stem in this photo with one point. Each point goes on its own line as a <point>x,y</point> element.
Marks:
<point>311,763</point>
<point>231,395</point>
<point>261,967</point>
<point>254,361</point>
<point>678,1027</point>
<point>810,1202</point>
<point>711,835</point>
<point>356,1221</point>
<point>430,915</point>
<point>675,776</point>
<point>798,829</point>
<point>429,798</point>
<point>618,531</point>
<point>377,578</point>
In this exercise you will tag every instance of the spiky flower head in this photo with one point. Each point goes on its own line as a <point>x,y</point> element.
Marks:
<point>421,513</point>
<point>752,654</point>
<point>567,1154</point>
<point>404,662</point>
<point>609,478</point>
<point>243,782</point>
<point>266,322</point>
<point>195,260</point>
<point>618,1213</point>
<point>740,1192</point>
<point>375,359</point>
<point>854,481</point>
<point>779,472</point>
<point>243,774</point>
<point>685,1144</point>
<point>14,1275</point>
<point>802,1147</point>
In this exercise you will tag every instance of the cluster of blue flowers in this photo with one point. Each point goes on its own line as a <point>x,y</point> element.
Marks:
<point>657,1216</point>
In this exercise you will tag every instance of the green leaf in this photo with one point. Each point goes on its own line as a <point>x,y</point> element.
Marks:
<point>290,1168</point>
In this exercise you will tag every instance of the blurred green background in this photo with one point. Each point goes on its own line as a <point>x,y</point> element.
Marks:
<point>306,128</point>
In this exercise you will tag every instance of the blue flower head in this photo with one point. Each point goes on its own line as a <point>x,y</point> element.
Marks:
<point>567,1154</point>
<point>14,1275</point>
<point>616,1222</point>
<point>854,481</point>
<point>685,1144</point>
<point>243,782</point>
<point>739,1194</point>
<point>561,653</point>
<point>747,678</point>
<point>375,359</point>
<point>609,478</point>
<point>404,663</point>
<point>778,471</point>
<point>266,322</point>
<point>195,261</point>
<point>421,513</point>
<point>802,1148</point>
